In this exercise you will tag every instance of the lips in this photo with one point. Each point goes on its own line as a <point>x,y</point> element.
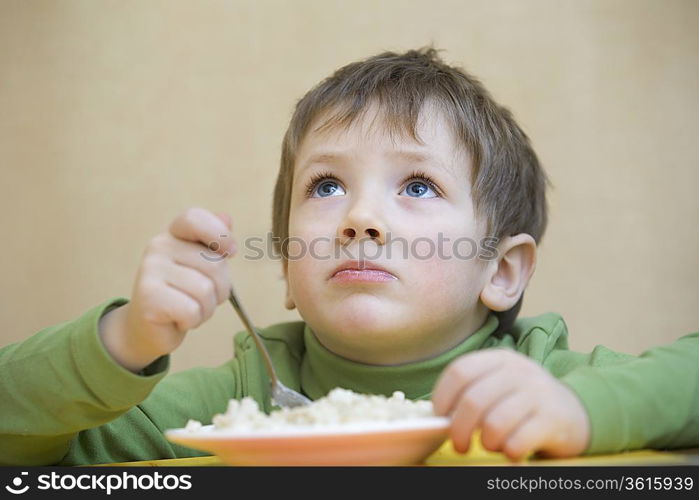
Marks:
<point>356,265</point>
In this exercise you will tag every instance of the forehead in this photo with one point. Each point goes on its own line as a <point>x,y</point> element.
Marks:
<point>371,132</point>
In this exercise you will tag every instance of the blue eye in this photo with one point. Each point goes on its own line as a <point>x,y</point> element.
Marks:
<point>420,184</point>
<point>323,185</point>
<point>417,189</point>
<point>326,185</point>
<point>327,188</point>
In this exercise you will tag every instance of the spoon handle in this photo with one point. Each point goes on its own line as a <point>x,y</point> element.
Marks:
<point>253,333</point>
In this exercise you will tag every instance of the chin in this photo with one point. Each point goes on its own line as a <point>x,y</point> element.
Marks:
<point>370,336</point>
<point>365,312</point>
<point>359,326</point>
<point>365,323</point>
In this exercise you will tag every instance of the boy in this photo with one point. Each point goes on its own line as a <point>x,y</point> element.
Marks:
<point>397,146</point>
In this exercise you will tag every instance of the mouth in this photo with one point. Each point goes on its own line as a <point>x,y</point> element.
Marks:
<point>361,271</point>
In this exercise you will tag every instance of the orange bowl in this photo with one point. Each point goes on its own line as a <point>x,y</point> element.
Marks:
<point>402,442</point>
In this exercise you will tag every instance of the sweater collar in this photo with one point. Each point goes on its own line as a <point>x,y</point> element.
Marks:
<point>323,370</point>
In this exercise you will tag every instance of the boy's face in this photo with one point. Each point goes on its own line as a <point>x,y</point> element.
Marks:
<point>374,210</point>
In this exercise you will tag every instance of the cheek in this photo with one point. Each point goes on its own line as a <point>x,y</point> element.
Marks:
<point>448,273</point>
<point>299,282</point>
<point>310,249</point>
<point>316,216</point>
<point>446,267</point>
<point>310,259</point>
<point>308,237</point>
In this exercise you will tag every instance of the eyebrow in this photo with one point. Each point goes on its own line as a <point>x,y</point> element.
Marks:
<point>336,158</point>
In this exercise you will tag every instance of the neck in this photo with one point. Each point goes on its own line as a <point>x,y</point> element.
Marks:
<point>323,370</point>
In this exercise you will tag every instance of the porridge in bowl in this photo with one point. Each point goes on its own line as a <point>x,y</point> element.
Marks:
<point>343,428</point>
<point>341,407</point>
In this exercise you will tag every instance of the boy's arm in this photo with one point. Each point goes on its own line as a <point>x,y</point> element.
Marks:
<point>198,393</point>
<point>649,401</point>
<point>62,381</point>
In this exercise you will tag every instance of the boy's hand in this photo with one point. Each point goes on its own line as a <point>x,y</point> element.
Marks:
<point>183,276</point>
<point>518,405</point>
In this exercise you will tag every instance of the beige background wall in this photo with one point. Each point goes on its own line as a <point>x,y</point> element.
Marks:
<point>117,115</point>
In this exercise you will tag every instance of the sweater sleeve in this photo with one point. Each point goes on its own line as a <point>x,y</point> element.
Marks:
<point>633,402</point>
<point>66,401</point>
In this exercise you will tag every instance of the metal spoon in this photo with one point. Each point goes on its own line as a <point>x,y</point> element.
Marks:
<point>282,396</point>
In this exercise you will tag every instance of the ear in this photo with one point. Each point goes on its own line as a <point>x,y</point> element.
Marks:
<point>288,301</point>
<point>509,274</point>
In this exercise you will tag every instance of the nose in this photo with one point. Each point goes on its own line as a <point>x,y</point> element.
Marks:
<point>361,223</point>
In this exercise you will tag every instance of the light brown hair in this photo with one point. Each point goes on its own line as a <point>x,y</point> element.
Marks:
<point>508,183</point>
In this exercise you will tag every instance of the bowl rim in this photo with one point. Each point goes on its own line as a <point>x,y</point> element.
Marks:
<point>416,424</point>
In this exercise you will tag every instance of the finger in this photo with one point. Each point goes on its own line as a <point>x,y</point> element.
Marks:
<point>528,437</point>
<point>459,374</point>
<point>191,255</point>
<point>226,219</point>
<point>504,417</point>
<point>198,225</point>
<point>475,402</point>
<point>195,284</point>
<point>173,306</point>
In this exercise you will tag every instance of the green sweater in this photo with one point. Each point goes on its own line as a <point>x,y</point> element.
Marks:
<point>64,400</point>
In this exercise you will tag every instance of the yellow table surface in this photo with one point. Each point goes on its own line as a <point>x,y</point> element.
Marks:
<point>477,455</point>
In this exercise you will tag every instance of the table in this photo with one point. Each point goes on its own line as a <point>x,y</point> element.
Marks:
<point>478,456</point>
